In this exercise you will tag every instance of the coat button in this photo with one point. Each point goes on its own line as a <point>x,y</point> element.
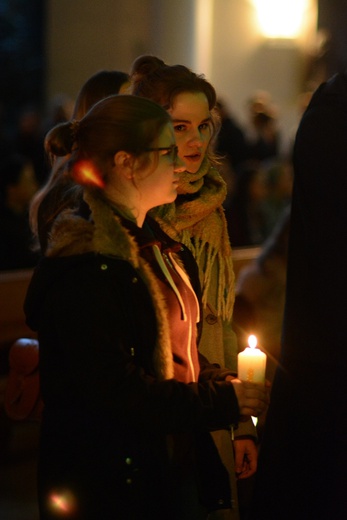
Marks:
<point>103,267</point>
<point>128,461</point>
<point>134,280</point>
<point>211,319</point>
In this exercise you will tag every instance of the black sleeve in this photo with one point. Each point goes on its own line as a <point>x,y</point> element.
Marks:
<point>87,357</point>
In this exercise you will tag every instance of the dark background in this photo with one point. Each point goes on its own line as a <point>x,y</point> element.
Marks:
<point>22,58</point>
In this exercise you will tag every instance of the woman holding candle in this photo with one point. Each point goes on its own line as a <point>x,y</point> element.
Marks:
<point>128,400</point>
<point>197,219</point>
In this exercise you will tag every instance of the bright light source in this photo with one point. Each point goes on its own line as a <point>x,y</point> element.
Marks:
<point>281,18</point>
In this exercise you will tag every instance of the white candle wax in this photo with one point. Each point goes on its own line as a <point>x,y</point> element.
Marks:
<point>252,363</point>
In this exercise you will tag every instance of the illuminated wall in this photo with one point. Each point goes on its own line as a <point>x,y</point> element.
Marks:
<point>220,38</point>
<point>244,60</point>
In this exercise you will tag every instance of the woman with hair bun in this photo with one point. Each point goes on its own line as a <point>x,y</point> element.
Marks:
<point>58,192</point>
<point>196,219</point>
<point>128,400</point>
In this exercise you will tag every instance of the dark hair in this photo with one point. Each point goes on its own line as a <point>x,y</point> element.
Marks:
<point>60,192</point>
<point>99,86</point>
<point>152,78</point>
<point>120,122</point>
<point>102,84</point>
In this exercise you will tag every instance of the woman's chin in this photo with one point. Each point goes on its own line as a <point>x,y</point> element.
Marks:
<point>193,168</point>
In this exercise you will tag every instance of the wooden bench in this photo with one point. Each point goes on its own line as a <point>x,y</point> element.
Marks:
<point>14,284</point>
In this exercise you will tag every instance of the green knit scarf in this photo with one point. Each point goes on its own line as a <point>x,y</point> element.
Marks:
<point>197,220</point>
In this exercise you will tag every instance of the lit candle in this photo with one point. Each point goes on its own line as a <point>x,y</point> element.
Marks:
<point>252,363</point>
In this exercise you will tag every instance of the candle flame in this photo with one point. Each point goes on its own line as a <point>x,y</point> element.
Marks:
<point>252,341</point>
<point>86,173</point>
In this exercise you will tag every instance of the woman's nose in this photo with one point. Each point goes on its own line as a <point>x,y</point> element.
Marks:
<point>195,137</point>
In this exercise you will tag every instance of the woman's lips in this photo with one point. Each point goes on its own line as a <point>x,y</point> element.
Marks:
<point>194,157</point>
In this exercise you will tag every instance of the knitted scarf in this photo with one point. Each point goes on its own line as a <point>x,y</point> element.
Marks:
<point>197,220</point>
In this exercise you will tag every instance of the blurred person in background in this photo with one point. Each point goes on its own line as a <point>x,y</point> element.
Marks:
<point>18,185</point>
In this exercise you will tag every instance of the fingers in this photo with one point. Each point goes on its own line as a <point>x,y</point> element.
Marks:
<point>253,398</point>
<point>253,411</point>
<point>256,390</point>
<point>257,396</point>
<point>246,473</point>
<point>246,456</point>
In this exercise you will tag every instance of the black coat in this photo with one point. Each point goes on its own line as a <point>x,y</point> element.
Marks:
<point>303,459</point>
<point>107,416</point>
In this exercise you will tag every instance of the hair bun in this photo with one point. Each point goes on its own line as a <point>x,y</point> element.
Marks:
<point>60,139</point>
<point>144,65</point>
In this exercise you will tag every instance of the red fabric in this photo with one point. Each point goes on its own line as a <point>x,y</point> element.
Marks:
<point>22,394</point>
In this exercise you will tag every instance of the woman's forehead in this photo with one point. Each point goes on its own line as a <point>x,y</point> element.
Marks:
<point>188,105</point>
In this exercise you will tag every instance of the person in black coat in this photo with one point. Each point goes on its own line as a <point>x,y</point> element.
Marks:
<point>303,458</point>
<point>129,402</point>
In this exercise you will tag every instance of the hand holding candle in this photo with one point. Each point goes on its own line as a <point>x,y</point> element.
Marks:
<point>252,363</point>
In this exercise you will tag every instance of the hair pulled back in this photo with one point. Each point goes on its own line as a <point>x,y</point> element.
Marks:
<point>152,78</point>
<point>121,122</point>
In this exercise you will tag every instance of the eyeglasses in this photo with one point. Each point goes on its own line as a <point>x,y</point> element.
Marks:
<point>173,151</point>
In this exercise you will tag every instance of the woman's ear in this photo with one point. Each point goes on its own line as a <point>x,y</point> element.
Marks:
<point>124,162</point>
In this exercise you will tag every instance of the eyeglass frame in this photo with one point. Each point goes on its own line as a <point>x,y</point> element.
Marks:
<point>173,151</point>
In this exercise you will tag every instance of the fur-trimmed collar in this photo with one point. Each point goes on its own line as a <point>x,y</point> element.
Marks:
<point>103,233</point>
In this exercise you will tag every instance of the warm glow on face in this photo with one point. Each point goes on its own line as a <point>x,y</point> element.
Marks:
<point>86,173</point>
<point>281,18</point>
